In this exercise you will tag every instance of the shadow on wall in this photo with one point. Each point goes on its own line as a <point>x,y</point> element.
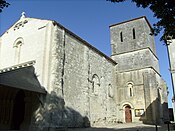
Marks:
<point>54,114</point>
<point>154,115</point>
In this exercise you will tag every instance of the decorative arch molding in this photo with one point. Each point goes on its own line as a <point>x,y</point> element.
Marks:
<point>130,82</point>
<point>127,103</point>
<point>95,84</point>
<point>20,24</point>
<point>95,76</point>
<point>18,42</point>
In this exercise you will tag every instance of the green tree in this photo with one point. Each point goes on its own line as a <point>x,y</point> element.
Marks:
<point>3,4</point>
<point>164,11</point>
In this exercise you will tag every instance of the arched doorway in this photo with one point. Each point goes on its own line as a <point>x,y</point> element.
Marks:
<point>18,110</point>
<point>128,114</point>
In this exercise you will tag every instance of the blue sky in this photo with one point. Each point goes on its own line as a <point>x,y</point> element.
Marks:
<point>89,19</point>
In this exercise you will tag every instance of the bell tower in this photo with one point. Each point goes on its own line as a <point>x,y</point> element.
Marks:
<point>133,46</point>
<point>139,83</point>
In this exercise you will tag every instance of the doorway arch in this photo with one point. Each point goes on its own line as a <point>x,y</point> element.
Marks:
<point>128,114</point>
<point>18,110</point>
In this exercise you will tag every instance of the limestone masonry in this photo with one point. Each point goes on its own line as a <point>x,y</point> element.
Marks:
<point>50,77</point>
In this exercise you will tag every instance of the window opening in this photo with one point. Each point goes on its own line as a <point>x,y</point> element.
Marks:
<point>121,36</point>
<point>130,89</point>
<point>17,45</point>
<point>134,35</point>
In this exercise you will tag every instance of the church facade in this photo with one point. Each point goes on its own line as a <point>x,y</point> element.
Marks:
<point>50,77</point>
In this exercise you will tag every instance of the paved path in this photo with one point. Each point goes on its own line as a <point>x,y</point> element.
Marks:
<point>125,127</point>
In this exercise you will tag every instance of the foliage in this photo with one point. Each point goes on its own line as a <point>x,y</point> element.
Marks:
<point>3,4</point>
<point>164,11</point>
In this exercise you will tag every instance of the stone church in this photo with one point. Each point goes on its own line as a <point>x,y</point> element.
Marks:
<point>52,78</point>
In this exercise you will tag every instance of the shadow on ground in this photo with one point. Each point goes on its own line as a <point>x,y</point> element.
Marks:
<point>124,128</point>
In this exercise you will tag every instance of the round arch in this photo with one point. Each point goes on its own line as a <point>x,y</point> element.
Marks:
<point>17,49</point>
<point>127,112</point>
<point>18,42</point>
<point>95,84</point>
<point>130,88</point>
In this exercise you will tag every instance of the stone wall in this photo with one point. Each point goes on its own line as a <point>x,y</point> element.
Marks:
<point>87,77</point>
<point>136,60</point>
<point>171,53</point>
<point>84,86</point>
<point>148,92</point>
<point>138,78</point>
<point>133,45</point>
<point>163,89</point>
<point>171,48</point>
<point>83,78</point>
<point>131,97</point>
<point>122,39</point>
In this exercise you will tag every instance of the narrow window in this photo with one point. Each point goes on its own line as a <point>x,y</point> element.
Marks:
<point>121,36</point>
<point>130,89</point>
<point>134,34</point>
<point>17,46</point>
<point>17,52</point>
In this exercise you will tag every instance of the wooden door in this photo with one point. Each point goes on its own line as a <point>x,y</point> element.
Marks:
<point>18,110</point>
<point>128,114</point>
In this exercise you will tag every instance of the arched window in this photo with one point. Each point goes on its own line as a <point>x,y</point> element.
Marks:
<point>130,89</point>
<point>121,37</point>
<point>134,34</point>
<point>17,45</point>
<point>95,84</point>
